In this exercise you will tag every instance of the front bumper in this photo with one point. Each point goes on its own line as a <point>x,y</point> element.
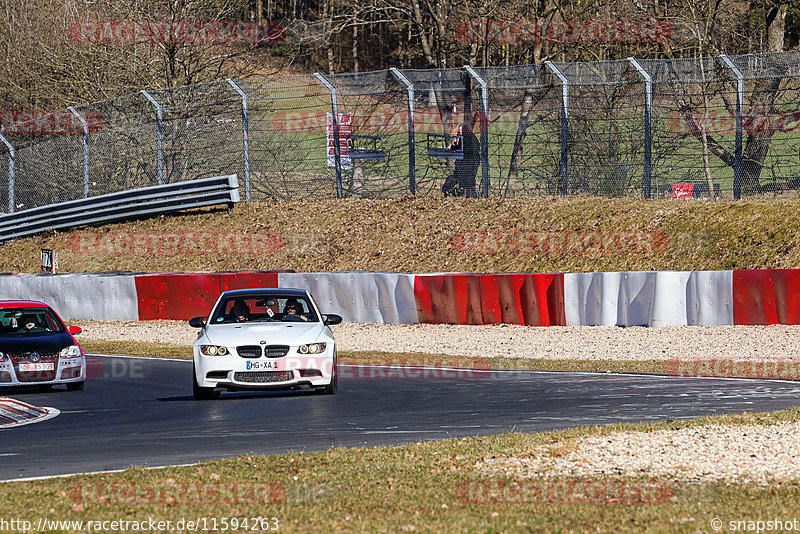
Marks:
<point>236,373</point>
<point>65,371</point>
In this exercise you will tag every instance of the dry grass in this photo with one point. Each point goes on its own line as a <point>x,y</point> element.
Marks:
<point>418,487</point>
<point>415,235</point>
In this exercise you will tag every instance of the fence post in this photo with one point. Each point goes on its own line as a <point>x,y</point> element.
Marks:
<point>484,129</point>
<point>737,155</point>
<point>85,128</point>
<point>412,172</point>
<point>337,156</point>
<point>648,127</point>
<point>12,155</point>
<point>245,138</point>
<point>564,123</point>
<point>159,136</point>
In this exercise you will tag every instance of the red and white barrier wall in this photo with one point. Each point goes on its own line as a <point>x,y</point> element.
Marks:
<point>650,298</point>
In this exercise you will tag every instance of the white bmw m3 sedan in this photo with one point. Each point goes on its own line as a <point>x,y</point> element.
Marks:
<point>259,339</point>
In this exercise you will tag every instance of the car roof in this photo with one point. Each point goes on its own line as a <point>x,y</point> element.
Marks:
<point>266,292</point>
<point>5,304</point>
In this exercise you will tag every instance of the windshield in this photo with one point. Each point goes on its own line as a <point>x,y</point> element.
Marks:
<point>28,321</point>
<point>264,309</point>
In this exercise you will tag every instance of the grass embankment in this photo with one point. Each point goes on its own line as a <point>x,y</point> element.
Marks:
<point>430,235</point>
<point>429,487</point>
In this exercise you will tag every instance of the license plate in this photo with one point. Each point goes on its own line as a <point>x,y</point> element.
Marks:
<point>26,367</point>
<point>262,366</point>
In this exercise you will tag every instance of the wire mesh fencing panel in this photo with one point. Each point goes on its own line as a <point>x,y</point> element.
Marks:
<point>770,122</point>
<point>122,144</point>
<point>49,160</point>
<point>447,124</point>
<point>288,138</point>
<point>375,158</point>
<point>202,131</point>
<point>524,131</point>
<point>606,129</point>
<point>693,100</point>
<point>715,127</point>
<point>4,178</point>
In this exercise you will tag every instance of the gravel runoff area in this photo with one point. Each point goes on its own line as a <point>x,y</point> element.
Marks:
<point>747,343</point>
<point>750,454</point>
<point>756,454</point>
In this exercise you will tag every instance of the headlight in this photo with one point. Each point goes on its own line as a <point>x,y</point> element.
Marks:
<point>313,348</point>
<point>73,351</point>
<point>213,350</point>
<point>2,357</point>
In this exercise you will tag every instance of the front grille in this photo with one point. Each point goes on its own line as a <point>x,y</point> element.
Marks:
<point>249,351</point>
<point>263,377</point>
<point>276,351</point>
<point>35,376</point>
<point>25,357</point>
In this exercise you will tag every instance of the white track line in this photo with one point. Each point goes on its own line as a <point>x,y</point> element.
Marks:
<point>109,471</point>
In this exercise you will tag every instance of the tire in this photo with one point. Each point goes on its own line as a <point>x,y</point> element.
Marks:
<point>331,388</point>
<point>201,393</point>
<point>75,386</point>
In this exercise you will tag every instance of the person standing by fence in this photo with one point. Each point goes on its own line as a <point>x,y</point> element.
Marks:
<point>462,181</point>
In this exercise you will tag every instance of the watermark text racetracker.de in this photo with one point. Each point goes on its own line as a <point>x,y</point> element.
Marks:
<point>560,242</point>
<point>396,367</point>
<point>564,31</point>
<point>783,368</point>
<point>143,524</point>
<point>174,243</point>
<point>41,122</point>
<point>564,491</point>
<point>87,494</point>
<point>192,32</point>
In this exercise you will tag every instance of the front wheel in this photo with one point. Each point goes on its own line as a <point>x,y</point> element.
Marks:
<point>200,393</point>
<point>75,386</point>
<point>331,388</point>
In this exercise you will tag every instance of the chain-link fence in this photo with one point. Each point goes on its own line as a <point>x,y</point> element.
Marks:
<point>721,126</point>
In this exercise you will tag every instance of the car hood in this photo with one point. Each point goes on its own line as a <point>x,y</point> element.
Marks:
<point>52,342</point>
<point>231,335</point>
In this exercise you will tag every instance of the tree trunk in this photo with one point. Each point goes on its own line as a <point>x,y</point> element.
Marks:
<point>355,36</point>
<point>756,146</point>
<point>704,133</point>
<point>529,101</point>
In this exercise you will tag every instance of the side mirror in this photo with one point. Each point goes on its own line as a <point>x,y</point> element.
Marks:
<point>197,322</point>
<point>74,330</point>
<point>331,319</point>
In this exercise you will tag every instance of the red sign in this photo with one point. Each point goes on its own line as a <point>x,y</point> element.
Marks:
<point>682,191</point>
<point>345,121</point>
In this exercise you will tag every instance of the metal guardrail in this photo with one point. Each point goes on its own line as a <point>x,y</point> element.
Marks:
<point>123,205</point>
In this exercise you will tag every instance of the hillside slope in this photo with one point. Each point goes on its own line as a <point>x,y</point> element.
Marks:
<point>429,235</point>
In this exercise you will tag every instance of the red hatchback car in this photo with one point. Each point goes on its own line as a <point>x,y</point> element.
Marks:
<point>36,349</point>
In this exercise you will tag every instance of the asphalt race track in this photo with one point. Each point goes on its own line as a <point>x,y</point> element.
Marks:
<point>140,412</point>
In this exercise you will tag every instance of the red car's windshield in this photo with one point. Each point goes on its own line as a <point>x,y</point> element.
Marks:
<point>28,321</point>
